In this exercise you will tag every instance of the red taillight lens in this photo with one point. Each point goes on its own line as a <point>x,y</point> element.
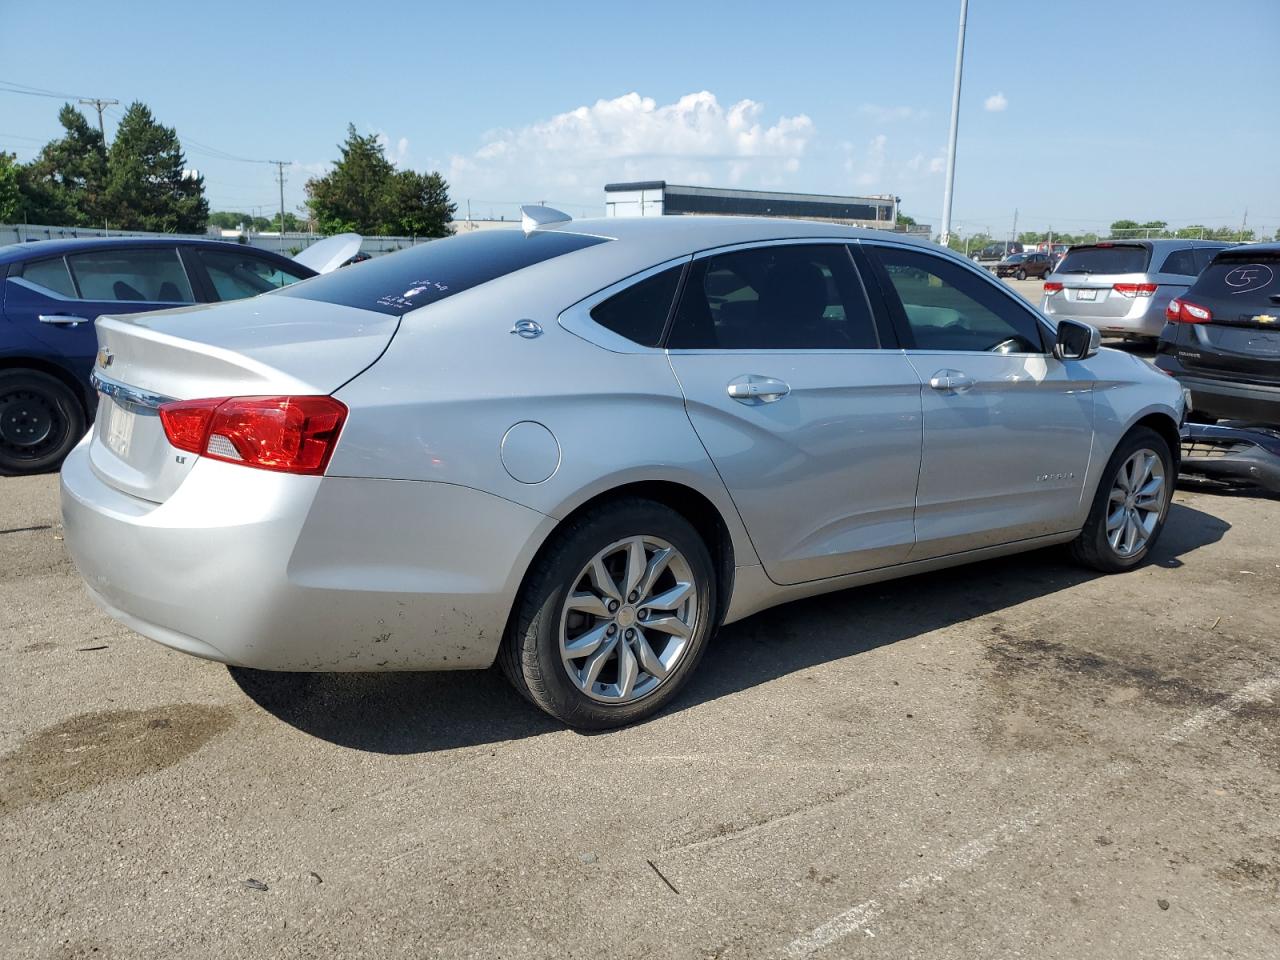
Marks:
<point>1132,290</point>
<point>288,434</point>
<point>186,423</point>
<point>1188,312</point>
<point>1052,287</point>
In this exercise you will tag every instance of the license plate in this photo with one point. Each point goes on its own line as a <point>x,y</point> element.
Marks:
<point>1086,294</point>
<point>119,435</point>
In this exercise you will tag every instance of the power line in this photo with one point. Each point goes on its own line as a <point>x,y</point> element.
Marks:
<point>12,86</point>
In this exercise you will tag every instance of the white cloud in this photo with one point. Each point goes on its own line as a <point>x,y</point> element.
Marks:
<point>866,165</point>
<point>883,114</point>
<point>995,103</point>
<point>399,154</point>
<point>693,140</point>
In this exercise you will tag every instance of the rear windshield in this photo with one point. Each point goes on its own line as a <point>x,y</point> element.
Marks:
<point>1253,280</point>
<point>1106,259</point>
<point>430,272</point>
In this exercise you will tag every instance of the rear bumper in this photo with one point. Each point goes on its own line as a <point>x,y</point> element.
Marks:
<point>283,572</point>
<point>1225,399</point>
<point>1147,323</point>
<point>1232,454</point>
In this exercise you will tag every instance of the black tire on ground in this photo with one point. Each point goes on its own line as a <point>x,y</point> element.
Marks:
<point>1091,547</point>
<point>41,419</point>
<point>530,653</point>
<point>1021,274</point>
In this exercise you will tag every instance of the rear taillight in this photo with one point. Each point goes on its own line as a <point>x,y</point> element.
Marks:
<point>1132,290</point>
<point>287,434</point>
<point>1182,311</point>
<point>1052,287</point>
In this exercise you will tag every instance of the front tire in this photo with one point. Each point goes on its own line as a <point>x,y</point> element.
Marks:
<point>40,421</point>
<point>1021,274</point>
<point>613,616</point>
<point>1130,506</point>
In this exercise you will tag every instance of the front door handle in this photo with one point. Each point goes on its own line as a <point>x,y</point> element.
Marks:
<point>753,388</point>
<point>62,319</point>
<point>954,380</point>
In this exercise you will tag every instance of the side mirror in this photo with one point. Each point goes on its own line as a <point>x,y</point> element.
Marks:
<point>1076,341</point>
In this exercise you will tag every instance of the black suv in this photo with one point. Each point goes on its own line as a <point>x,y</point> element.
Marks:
<point>1222,341</point>
<point>1222,337</point>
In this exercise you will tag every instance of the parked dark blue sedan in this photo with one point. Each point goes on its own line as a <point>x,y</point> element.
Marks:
<point>52,292</point>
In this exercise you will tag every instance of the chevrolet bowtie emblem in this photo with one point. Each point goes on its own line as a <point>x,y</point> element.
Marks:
<point>105,357</point>
<point>1264,318</point>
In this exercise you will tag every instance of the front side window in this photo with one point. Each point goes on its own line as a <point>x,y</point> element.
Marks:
<point>946,306</point>
<point>640,312</point>
<point>142,275</point>
<point>50,274</point>
<point>783,297</point>
<point>1182,262</point>
<point>235,276</point>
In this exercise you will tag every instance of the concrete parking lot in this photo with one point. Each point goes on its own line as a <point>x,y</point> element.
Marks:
<point>1018,758</point>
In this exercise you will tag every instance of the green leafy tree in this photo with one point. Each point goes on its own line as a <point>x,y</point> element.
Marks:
<point>1121,226</point>
<point>292,223</point>
<point>906,221</point>
<point>64,185</point>
<point>365,193</point>
<point>420,205</point>
<point>10,192</point>
<point>148,185</point>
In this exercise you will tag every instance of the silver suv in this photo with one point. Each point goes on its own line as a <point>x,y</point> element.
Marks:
<point>1123,286</point>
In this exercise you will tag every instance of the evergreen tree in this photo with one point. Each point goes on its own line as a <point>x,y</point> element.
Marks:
<point>148,187</point>
<point>64,185</point>
<point>365,193</point>
<point>10,193</point>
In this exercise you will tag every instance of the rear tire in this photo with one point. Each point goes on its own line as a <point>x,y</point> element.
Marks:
<point>1125,522</point>
<point>41,419</point>
<point>582,609</point>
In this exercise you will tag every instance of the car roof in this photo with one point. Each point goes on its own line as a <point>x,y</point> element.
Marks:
<point>17,252</point>
<point>1246,249</point>
<point>657,239</point>
<point>1155,243</point>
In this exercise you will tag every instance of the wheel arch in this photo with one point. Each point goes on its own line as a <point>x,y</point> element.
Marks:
<point>60,373</point>
<point>1167,427</point>
<point>690,503</point>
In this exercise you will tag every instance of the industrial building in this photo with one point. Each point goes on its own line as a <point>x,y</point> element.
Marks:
<point>657,198</point>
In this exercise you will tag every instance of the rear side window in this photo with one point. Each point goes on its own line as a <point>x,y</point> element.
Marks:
<point>1245,281</point>
<point>433,271</point>
<point>1106,258</point>
<point>1181,261</point>
<point>235,276</point>
<point>142,275</point>
<point>50,274</point>
<point>640,312</point>
<point>785,297</point>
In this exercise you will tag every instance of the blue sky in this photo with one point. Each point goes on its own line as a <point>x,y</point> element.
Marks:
<point>1075,112</point>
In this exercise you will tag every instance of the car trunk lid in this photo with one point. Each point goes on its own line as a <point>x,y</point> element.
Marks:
<point>266,346</point>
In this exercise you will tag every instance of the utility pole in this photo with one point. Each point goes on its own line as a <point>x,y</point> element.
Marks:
<point>1014,236</point>
<point>955,124</point>
<point>280,165</point>
<point>1243,222</point>
<point>101,104</point>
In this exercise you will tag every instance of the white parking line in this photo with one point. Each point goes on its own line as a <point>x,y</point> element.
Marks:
<point>859,917</point>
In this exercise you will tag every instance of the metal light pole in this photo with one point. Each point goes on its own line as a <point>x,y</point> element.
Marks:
<point>955,124</point>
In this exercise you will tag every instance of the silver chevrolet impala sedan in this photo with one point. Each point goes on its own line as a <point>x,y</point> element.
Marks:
<point>580,448</point>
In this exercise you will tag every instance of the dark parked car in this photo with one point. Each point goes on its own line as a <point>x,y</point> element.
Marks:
<point>1222,337</point>
<point>1222,342</point>
<point>54,290</point>
<point>995,252</point>
<point>1023,265</point>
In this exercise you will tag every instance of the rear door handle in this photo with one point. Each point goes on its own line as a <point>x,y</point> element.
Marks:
<point>753,388</point>
<point>954,380</point>
<point>62,319</point>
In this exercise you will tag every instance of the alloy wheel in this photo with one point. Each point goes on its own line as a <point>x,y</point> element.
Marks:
<point>1136,503</point>
<point>629,619</point>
